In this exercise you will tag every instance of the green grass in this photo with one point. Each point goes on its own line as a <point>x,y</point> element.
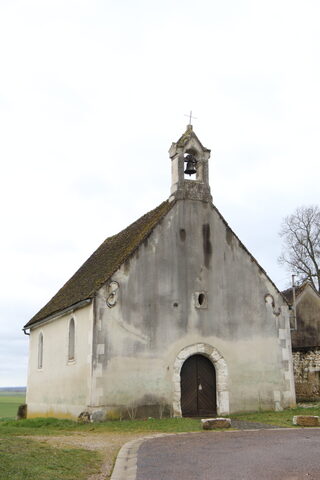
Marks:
<point>9,404</point>
<point>281,419</point>
<point>50,426</point>
<point>24,459</point>
<point>53,426</point>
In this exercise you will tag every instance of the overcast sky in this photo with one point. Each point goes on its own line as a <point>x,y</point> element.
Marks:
<point>93,93</point>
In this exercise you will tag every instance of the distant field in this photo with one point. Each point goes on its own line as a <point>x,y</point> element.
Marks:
<point>9,402</point>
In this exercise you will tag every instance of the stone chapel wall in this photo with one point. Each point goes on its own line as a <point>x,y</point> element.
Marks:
<point>306,366</point>
<point>191,286</point>
<point>60,387</point>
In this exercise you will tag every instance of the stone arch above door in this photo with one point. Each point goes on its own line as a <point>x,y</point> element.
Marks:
<point>221,374</point>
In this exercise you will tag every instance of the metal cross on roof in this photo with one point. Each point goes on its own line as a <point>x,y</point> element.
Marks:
<point>190,117</point>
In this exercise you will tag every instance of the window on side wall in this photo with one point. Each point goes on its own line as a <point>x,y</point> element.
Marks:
<point>40,350</point>
<point>71,343</point>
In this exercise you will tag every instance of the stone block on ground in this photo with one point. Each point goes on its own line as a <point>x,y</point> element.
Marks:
<point>84,417</point>
<point>306,420</point>
<point>22,412</point>
<point>212,423</point>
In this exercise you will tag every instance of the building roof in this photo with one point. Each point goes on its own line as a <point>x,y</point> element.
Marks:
<point>113,252</point>
<point>288,294</point>
<point>102,264</point>
<point>187,135</point>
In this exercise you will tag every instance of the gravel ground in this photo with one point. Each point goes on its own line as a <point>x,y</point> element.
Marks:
<point>243,425</point>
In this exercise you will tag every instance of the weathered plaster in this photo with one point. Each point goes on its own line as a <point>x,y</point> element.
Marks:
<point>192,250</point>
<point>61,388</point>
<point>308,320</point>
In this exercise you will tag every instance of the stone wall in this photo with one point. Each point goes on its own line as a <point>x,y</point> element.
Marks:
<point>306,365</point>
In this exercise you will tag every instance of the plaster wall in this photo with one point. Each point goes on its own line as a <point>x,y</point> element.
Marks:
<point>156,314</point>
<point>62,387</point>
<point>308,320</point>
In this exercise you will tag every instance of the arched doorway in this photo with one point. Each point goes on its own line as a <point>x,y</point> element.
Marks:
<point>198,387</point>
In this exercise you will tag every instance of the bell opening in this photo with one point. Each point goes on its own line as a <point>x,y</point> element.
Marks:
<point>191,164</point>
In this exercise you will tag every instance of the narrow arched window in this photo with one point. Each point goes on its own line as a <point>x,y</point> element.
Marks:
<point>40,350</point>
<point>71,343</point>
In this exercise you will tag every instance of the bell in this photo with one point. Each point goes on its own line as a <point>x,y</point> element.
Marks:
<point>191,165</point>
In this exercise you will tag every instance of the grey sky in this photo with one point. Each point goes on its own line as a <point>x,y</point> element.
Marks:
<point>92,93</point>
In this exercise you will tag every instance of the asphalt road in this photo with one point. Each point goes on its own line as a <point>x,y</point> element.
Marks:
<point>260,455</point>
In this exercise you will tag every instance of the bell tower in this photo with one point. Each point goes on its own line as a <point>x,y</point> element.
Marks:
<point>190,174</point>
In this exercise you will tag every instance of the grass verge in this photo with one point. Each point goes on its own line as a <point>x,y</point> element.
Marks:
<point>53,426</point>
<point>281,419</point>
<point>24,459</point>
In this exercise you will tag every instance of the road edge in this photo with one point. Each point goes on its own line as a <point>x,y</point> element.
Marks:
<point>125,467</point>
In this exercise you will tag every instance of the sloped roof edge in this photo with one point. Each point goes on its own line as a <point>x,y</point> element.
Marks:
<point>187,135</point>
<point>102,264</point>
<point>60,313</point>
<point>288,294</point>
<point>250,254</point>
<point>111,254</point>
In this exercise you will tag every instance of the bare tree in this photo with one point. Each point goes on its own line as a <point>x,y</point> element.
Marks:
<point>301,241</point>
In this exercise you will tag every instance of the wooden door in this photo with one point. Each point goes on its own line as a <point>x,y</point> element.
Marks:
<point>198,387</point>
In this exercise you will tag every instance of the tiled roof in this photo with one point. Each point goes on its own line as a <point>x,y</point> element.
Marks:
<point>288,294</point>
<point>102,264</point>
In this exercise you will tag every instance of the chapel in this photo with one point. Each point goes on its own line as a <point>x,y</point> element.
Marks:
<point>170,317</point>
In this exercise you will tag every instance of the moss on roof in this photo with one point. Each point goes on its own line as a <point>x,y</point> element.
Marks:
<point>102,264</point>
<point>187,135</point>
